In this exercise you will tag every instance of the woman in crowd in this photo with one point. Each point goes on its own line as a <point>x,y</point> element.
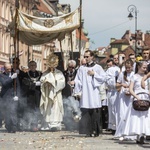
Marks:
<point>124,96</point>
<point>122,85</point>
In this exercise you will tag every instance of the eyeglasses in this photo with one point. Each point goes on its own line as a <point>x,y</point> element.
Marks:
<point>86,56</point>
<point>71,67</point>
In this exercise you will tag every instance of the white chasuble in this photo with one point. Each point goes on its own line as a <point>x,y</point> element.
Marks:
<point>51,104</point>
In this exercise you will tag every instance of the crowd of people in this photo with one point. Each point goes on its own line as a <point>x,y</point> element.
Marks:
<point>124,86</point>
<point>103,97</point>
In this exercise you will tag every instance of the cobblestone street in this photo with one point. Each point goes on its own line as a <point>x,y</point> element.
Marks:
<point>63,140</point>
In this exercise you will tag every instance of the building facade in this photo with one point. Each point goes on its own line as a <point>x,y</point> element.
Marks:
<point>7,13</point>
<point>38,53</point>
<point>128,41</point>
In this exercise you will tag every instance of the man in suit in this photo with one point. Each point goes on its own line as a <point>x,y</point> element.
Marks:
<point>8,98</point>
<point>20,92</point>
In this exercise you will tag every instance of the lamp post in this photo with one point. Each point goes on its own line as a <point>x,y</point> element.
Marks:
<point>133,9</point>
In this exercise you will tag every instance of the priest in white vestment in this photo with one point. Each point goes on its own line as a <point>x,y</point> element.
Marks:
<point>88,79</point>
<point>51,105</point>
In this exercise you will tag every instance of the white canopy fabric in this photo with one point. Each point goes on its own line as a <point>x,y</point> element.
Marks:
<point>36,30</point>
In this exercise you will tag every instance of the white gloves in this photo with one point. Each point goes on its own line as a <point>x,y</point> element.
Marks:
<point>38,83</point>
<point>77,96</point>
<point>15,98</point>
<point>14,76</point>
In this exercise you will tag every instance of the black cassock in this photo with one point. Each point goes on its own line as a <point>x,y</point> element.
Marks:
<point>33,94</point>
<point>69,76</point>
<point>90,123</point>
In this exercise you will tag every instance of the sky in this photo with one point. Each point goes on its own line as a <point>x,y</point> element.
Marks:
<point>106,19</point>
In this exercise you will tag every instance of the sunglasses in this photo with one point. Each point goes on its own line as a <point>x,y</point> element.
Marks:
<point>71,67</point>
<point>86,56</point>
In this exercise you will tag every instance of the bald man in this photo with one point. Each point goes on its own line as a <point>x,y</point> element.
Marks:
<point>83,61</point>
<point>8,108</point>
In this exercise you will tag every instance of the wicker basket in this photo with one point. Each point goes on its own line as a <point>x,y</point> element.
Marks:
<point>141,105</point>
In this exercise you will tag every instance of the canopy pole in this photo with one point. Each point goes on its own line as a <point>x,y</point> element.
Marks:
<point>16,45</point>
<point>71,45</point>
<point>62,54</point>
<point>80,29</point>
<point>28,59</point>
<point>17,31</point>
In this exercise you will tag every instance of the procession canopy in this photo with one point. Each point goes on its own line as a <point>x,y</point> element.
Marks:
<point>36,30</point>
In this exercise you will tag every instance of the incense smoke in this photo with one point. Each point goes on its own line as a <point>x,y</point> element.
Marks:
<point>72,113</point>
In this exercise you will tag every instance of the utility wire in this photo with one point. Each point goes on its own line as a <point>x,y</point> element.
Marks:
<point>109,28</point>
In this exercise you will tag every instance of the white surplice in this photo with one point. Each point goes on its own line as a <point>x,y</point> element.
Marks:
<point>111,75</point>
<point>51,104</point>
<point>88,86</point>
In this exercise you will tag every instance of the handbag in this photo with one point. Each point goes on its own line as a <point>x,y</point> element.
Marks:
<point>141,105</point>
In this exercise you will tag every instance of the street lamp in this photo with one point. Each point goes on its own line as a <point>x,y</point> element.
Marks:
<point>133,9</point>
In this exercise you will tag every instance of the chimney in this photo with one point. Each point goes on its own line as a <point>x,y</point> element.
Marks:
<point>112,40</point>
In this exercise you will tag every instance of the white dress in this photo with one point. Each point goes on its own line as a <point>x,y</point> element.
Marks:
<point>136,122</point>
<point>123,100</point>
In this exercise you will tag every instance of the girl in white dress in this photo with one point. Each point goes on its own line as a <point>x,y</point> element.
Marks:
<point>137,123</point>
<point>124,96</point>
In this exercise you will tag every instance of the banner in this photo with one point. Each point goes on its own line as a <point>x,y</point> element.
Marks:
<point>36,30</point>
